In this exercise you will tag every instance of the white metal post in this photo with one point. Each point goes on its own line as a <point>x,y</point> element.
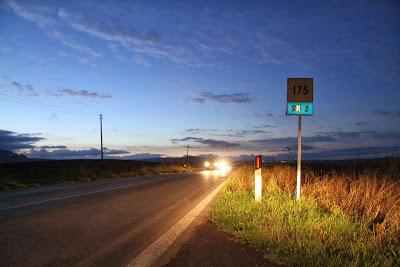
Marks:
<point>298,188</point>
<point>258,185</point>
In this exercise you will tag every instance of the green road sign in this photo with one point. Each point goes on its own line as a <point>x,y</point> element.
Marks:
<point>299,108</point>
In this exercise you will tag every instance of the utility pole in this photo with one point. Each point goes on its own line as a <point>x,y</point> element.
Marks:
<point>289,149</point>
<point>187,155</point>
<point>101,134</point>
<point>226,151</point>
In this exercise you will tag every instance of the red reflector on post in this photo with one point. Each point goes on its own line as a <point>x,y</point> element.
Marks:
<point>258,162</point>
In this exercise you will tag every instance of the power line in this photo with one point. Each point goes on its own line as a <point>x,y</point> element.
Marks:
<point>45,106</point>
<point>49,107</point>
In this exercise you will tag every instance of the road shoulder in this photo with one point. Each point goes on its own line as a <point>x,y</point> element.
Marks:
<point>203,244</point>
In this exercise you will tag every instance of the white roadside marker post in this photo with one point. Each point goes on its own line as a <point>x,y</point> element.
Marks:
<point>258,179</point>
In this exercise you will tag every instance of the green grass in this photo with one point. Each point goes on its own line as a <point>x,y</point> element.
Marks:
<point>302,233</point>
<point>38,173</point>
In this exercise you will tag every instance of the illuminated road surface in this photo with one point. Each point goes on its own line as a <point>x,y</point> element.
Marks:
<point>104,223</point>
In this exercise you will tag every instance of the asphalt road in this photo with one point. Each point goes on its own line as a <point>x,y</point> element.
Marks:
<point>104,223</point>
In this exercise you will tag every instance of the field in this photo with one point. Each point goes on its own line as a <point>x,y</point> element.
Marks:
<point>349,214</point>
<point>37,173</point>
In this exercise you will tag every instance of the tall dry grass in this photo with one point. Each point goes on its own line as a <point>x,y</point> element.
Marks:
<point>373,197</point>
<point>39,173</point>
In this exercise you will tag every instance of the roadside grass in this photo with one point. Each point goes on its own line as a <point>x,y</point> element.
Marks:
<point>38,173</point>
<point>340,221</point>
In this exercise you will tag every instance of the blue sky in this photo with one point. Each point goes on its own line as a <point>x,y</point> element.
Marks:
<point>212,75</point>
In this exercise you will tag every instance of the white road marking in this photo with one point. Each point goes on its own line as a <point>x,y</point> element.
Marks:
<point>158,247</point>
<point>78,195</point>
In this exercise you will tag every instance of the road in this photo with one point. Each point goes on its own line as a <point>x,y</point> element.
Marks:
<point>105,223</point>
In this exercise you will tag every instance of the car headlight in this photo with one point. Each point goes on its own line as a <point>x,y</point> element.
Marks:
<point>206,164</point>
<point>223,166</point>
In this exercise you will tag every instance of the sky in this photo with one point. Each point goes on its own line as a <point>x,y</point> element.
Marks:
<point>208,74</point>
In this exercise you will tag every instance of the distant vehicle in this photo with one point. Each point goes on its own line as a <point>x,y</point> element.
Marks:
<point>209,165</point>
<point>220,165</point>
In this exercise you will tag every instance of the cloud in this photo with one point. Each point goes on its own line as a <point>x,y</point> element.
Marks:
<point>68,41</point>
<point>142,43</point>
<point>200,131</point>
<point>17,86</point>
<point>264,115</point>
<point>62,13</point>
<point>360,123</point>
<point>142,156</point>
<point>28,90</point>
<point>394,136</point>
<point>242,133</point>
<point>346,135</point>
<point>64,153</point>
<point>324,141</point>
<point>227,133</point>
<point>315,142</point>
<point>282,144</point>
<point>111,32</point>
<point>53,116</point>
<point>114,151</point>
<point>250,157</point>
<point>389,113</point>
<point>42,17</point>
<point>53,147</point>
<point>284,141</point>
<point>78,58</point>
<point>211,143</point>
<point>354,152</point>
<point>234,98</point>
<point>263,126</point>
<point>20,89</point>
<point>142,61</point>
<point>82,93</point>
<point>12,141</point>
<point>321,144</point>
<point>338,137</point>
<point>269,49</point>
<point>332,154</point>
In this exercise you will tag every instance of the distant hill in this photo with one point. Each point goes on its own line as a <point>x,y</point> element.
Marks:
<point>198,161</point>
<point>8,156</point>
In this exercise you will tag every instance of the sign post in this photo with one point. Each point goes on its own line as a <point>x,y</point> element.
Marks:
<point>300,98</point>
<point>258,178</point>
<point>298,184</point>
